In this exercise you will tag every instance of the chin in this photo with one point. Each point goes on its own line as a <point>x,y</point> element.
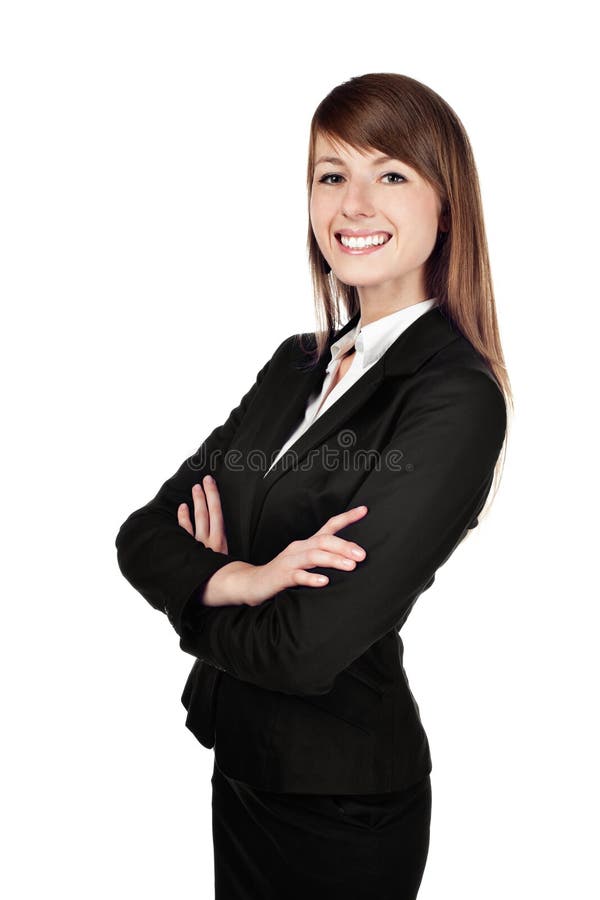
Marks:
<point>363,282</point>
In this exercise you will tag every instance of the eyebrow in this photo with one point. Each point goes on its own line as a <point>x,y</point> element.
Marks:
<point>334,160</point>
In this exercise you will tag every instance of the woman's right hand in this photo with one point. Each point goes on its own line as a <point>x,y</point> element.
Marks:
<point>252,585</point>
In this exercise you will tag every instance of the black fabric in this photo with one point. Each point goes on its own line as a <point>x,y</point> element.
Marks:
<point>271,846</point>
<point>307,692</point>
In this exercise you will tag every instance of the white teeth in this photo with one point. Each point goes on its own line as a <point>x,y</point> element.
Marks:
<point>360,242</point>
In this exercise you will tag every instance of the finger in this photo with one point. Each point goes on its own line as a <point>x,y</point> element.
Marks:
<point>200,514</point>
<point>337,545</point>
<point>215,512</point>
<point>316,557</point>
<point>340,521</point>
<point>183,517</point>
<point>307,557</point>
<point>310,579</point>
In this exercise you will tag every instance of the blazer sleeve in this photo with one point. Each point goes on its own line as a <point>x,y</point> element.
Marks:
<point>158,557</point>
<point>432,479</point>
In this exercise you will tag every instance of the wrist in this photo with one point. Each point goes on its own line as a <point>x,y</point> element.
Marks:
<point>226,586</point>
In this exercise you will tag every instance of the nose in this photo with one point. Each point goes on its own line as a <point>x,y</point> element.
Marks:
<point>356,201</point>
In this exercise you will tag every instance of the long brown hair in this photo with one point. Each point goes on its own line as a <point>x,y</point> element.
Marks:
<point>407,120</point>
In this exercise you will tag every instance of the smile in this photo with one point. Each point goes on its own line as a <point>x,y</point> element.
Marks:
<point>363,244</point>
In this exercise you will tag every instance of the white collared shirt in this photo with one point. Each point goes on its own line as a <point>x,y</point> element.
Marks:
<point>370,342</point>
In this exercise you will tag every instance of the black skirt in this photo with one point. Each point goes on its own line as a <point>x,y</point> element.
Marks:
<point>278,846</point>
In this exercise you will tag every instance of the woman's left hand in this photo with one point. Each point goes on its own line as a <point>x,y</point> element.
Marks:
<point>208,516</point>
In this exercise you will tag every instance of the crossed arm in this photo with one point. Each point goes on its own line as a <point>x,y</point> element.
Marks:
<point>451,432</point>
<point>156,555</point>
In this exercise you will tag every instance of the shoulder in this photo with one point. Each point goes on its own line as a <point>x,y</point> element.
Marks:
<point>282,351</point>
<point>297,351</point>
<point>459,363</point>
<point>457,384</point>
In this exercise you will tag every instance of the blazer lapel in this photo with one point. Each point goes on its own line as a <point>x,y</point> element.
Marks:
<point>421,340</point>
<point>280,415</point>
<point>284,417</point>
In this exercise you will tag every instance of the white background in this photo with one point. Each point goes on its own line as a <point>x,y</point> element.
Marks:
<point>153,216</point>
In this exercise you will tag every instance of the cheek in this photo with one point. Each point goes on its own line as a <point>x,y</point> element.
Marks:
<point>314,220</point>
<point>320,226</point>
<point>323,206</point>
<point>424,224</point>
<point>430,213</point>
<point>317,214</point>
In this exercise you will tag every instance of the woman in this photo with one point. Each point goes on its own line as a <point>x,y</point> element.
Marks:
<point>345,478</point>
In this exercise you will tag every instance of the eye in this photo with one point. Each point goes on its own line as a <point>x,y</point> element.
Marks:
<point>323,180</point>
<point>394,175</point>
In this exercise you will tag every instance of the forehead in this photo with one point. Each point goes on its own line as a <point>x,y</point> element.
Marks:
<point>334,152</point>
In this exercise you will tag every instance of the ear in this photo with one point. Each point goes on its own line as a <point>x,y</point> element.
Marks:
<point>443,224</point>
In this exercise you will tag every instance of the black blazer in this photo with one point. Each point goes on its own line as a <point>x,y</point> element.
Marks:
<point>307,692</point>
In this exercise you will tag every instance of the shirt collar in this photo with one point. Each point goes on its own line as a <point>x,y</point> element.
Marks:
<point>374,339</point>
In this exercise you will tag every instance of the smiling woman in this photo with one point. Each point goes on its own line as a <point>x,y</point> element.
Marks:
<point>379,440</point>
<point>360,206</point>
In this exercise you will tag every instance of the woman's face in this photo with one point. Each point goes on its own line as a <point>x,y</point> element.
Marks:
<point>354,193</point>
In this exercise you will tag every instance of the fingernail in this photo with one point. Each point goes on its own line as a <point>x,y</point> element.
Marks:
<point>358,553</point>
<point>210,479</point>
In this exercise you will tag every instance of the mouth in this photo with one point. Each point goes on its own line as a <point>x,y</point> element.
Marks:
<point>361,244</point>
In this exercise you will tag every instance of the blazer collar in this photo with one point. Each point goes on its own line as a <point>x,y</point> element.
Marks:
<point>419,342</point>
<point>414,346</point>
<point>372,340</point>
